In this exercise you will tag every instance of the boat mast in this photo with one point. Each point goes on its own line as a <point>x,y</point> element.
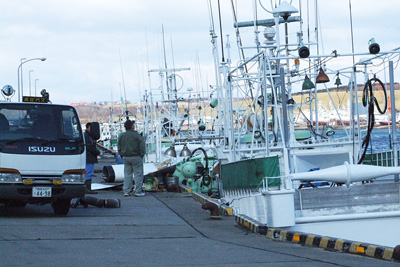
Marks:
<point>218,79</point>
<point>123,83</point>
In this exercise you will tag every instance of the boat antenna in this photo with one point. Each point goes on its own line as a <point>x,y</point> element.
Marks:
<point>140,85</point>
<point>211,16</point>
<point>200,78</point>
<point>351,28</point>
<point>256,31</point>
<point>308,21</point>
<point>353,85</point>
<point>172,50</point>
<point>316,27</point>
<point>309,34</point>
<point>163,42</point>
<point>147,57</point>
<point>220,29</point>
<point>196,75</point>
<point>165,60</point>
<point>112,108</point>
<point>301,21</point>
<point>123,85</point>
<point>173,68</point>
<point>320,31</point>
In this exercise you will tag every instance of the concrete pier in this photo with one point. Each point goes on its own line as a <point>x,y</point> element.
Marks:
<point>160,229</point>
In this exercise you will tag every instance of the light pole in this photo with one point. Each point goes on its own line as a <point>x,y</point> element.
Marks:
<point>35,85</point>
<point>22,78</point>
<point>30,82</point>
<point>20,92</point>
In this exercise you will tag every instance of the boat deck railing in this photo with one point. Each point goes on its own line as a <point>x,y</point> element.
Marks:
<point>385,159</point>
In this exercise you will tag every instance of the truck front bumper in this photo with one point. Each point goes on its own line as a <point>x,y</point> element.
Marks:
<point>9,192</point>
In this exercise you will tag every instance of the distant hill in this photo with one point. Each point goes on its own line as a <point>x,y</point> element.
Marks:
<point>340,96</point>
<point>103,113</point>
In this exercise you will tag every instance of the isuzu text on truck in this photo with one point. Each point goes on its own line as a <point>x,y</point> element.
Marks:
<point>42,154</point>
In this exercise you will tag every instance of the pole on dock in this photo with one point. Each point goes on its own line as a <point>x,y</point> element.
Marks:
<point>393,116</point>
<point>285,120</point>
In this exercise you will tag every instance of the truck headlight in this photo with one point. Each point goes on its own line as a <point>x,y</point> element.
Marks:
<point>10,176</point>
<point>73,176</point>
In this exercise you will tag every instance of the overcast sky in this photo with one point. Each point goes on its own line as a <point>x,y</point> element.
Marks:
<point>85,41</point>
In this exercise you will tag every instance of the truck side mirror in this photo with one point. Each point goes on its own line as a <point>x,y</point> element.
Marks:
<point>95,131</point>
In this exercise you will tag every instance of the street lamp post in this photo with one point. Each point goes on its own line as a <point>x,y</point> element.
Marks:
<point>35,85</point>
<point>20,92</point>
<point>30,92</point>
<point>22,78</point>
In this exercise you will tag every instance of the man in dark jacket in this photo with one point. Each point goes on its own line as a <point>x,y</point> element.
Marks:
<point>91,158</point>
<point>131,147</point>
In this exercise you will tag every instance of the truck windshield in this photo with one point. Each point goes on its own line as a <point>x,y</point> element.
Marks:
<point>28,128</point>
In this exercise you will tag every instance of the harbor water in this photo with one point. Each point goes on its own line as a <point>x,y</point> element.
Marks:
<point>380,139</point>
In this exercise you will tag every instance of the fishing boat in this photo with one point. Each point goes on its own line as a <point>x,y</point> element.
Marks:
<point>255,115</point>
<point>252,155</point>
<point>269,176</point>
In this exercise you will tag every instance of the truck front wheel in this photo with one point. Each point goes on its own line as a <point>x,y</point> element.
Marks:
<point>61,206</point>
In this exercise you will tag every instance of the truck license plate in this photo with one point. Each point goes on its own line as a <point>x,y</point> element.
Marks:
<point>41,192</point>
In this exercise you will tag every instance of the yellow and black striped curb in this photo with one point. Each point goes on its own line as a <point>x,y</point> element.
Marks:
<point>223,209</point>
<point>252,225</point>
<point>186,189</point>
<point>328,243</point>
<point>200,197</point>
<point>334,244</point>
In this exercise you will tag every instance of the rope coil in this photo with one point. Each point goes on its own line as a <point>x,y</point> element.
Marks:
<point>370,100</point>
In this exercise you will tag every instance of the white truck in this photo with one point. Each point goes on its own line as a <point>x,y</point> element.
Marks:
<point>42,154</point>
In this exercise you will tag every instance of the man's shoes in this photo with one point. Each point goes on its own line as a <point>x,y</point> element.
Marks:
<point>127,194</point>
<point>141,194</point>
<point>91,192</point>
<point>88,184</point>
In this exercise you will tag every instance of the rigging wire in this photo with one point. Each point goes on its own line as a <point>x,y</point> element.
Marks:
<point>262,6</point>
<point>220,29</point>
<point>239,39</point>
<point>388,58</point>
<point>311,127</point>
<point>272,5</point>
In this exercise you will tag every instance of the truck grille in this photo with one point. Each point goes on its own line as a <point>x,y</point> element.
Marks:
<point>41,179</point>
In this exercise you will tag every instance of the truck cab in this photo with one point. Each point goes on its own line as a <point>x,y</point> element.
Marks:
<point>42,155</point>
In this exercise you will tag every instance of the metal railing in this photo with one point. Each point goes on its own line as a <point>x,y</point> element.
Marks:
<point>385,159</point>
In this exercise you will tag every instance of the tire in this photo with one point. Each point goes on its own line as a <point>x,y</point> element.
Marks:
<point>61,206</point>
